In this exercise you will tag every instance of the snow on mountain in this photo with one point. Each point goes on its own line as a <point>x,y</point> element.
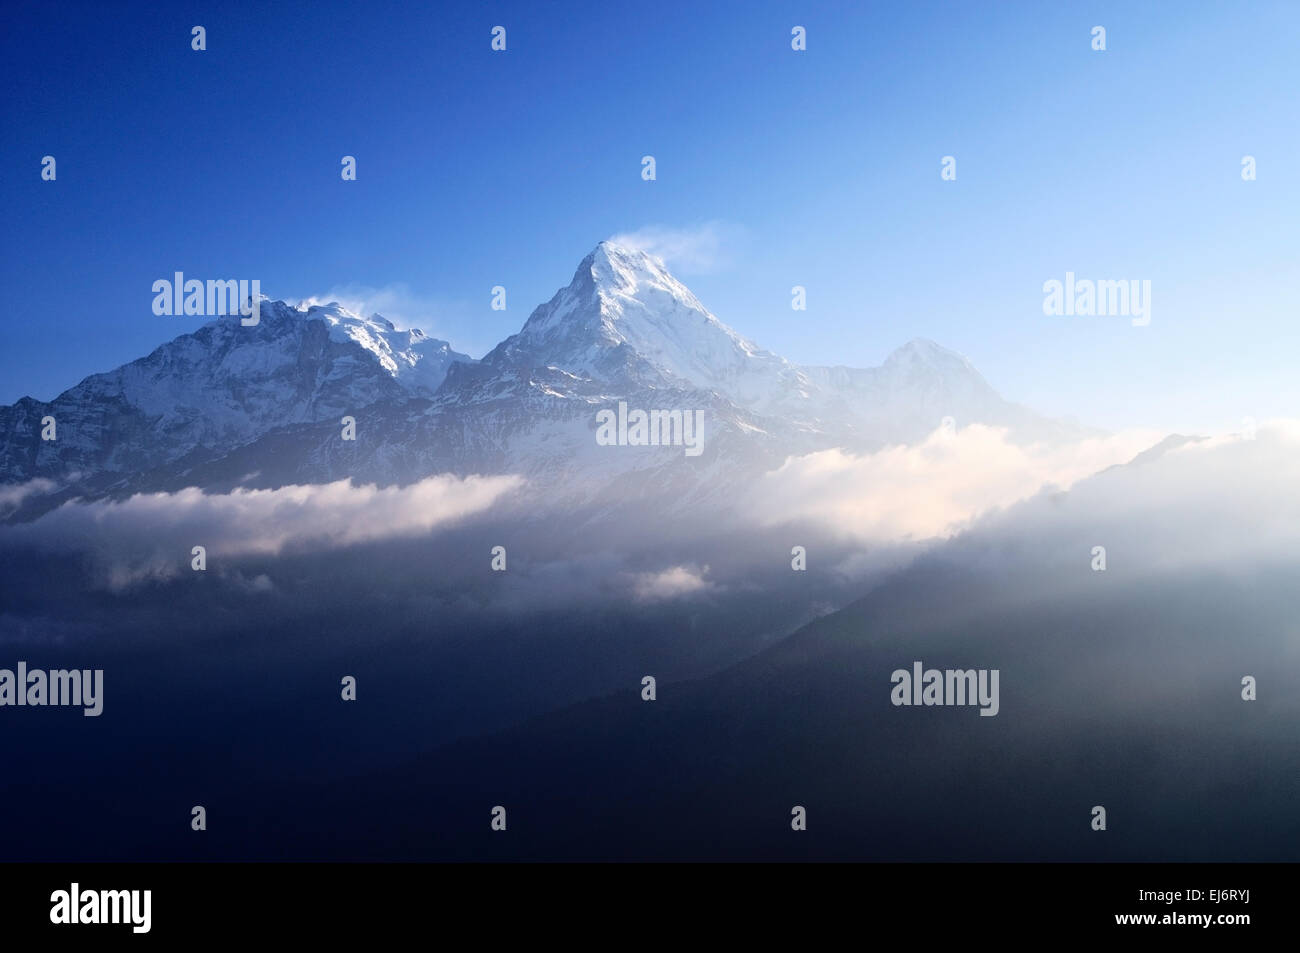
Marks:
<point>210,391</point>
<point>623,308</point>
<point>414,359</point>
<point>261,405</point>
<point>625,298</point>
<point>919,385</point>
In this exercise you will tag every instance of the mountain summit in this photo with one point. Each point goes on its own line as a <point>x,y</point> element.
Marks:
<point>415,360</point>
<point>623,309</point>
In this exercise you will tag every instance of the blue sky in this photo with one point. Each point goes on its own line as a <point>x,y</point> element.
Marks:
<point>818,168</point>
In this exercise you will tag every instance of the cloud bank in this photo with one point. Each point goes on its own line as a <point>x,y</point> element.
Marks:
<point>12,495</point>
<point>150,535</point>
<point>931,489</point>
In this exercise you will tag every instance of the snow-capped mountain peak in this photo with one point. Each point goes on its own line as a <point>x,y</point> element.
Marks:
<point>414,359</point>
<point>622,270</point>
<point>624,301</point>
<point>922,352</point>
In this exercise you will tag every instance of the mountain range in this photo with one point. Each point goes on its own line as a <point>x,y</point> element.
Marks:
<point>262,406</point>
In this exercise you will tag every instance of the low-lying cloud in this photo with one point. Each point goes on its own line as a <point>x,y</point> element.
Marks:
<point>671,583</point>
<point>1226,503</point>
<point>931,489</point>
<point>150,535</point>
<point>12,495</point>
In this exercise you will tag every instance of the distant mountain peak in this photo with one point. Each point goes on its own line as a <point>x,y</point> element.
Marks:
<point>413,358</point>
<point>923,348</point>
<point>923,352</point>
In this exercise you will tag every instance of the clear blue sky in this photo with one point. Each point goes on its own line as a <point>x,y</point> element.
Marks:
<point>478,168</point>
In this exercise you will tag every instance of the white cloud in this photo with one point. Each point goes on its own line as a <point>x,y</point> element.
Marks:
<point>931,489</point>
<point>13,494</point>
<point>150,535</point>
<point>1226,505</point>
<point>698,249</point>
<point>669,583</point>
